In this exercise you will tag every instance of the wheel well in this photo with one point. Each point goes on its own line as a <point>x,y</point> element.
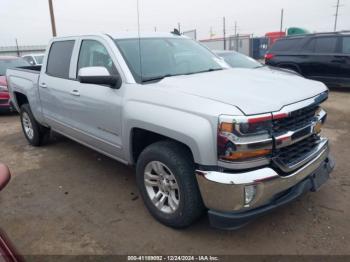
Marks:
<point>141,138</point>
<point>21,99</point>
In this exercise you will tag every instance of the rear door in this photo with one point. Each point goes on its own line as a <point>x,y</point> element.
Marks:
<point>54,85</point>
<point>321,65</point>
<point>343,60</point>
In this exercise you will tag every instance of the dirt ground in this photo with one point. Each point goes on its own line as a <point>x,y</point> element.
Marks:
<point>67,199</point>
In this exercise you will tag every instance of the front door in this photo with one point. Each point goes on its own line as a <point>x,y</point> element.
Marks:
<point>97,108</point>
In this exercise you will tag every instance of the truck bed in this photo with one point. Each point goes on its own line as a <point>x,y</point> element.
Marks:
<point>24,80</point>
<point>34,69</point>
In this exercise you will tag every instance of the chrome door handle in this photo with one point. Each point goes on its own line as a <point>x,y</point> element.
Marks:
<point>75,93</point>
<point>43,85</point>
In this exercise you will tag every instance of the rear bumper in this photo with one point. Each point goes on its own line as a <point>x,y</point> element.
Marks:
<point>224,193</point>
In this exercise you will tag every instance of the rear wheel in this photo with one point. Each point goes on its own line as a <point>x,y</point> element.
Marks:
<point>33,131</point>
<point>166,180</point>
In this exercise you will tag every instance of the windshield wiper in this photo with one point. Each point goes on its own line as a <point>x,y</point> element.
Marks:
<point>260,66</point>
<point>156,78</point>
<point>205,71</point>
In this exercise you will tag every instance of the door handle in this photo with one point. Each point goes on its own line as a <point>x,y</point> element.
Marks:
<point>43,85</point>
<point>339,61</point>
<point>75,93</point>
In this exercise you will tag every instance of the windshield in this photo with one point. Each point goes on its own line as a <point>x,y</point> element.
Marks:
<point>39,59</point>
<point>164,57</point>
<point>11,63</point>
<point>238,60</point>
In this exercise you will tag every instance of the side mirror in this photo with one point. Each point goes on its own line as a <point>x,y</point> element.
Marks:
<point>98,75</point>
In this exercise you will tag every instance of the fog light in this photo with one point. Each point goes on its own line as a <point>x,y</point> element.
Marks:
<point>249,192</point>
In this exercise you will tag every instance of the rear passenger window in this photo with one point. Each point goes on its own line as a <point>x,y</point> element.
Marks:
<point>286,45</point>
<point>59,59</point>
<point>310,46</point>
<point>326,45</point>
<point>346,45</point>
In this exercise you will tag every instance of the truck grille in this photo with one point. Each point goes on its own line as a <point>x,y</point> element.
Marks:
<point>297,152</point>
<point>297,119</point>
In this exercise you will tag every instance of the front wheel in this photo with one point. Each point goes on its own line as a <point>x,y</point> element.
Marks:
<point>166,180</point>
<point>33,131</point>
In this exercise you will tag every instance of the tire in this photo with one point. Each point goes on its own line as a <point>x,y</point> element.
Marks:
<point>33,131</point>
<point>179,163</point>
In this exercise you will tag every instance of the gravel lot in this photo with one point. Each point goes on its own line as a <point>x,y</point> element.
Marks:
<point>67,199</point>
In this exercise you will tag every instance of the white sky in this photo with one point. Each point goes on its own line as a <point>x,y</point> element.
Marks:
<point>28,20</point>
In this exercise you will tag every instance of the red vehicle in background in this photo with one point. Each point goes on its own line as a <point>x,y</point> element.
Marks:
<point>5,63</point>
<point>274,36</point>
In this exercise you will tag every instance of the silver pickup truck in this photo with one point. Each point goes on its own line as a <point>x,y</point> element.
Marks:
<point>235,143</point>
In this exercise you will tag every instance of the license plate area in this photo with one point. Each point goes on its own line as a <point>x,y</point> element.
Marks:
<point>319,178</point>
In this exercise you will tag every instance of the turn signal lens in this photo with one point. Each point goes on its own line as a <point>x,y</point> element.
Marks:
<point>245,155</point>
<point>226,127</point>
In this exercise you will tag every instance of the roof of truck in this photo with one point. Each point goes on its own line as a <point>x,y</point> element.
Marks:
<point>126,35</point>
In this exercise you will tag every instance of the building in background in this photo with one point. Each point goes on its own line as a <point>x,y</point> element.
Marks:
<point>21,50</point>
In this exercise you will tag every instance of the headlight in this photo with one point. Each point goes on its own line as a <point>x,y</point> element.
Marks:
<point>3,88</point>
<point>244,138</point>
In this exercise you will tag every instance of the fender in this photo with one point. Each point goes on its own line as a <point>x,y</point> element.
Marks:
<point>192,130</point>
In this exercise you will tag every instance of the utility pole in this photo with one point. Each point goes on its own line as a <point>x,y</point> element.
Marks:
<point>336,15</point>
<point>17,48</point>
<point>224,31</point>
<point>52,16</point>
<point>235,28</point>
<point>282,16</point>
<point>236,36</point>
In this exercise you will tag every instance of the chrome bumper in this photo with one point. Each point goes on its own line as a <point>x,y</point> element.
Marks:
<point>225,192</point>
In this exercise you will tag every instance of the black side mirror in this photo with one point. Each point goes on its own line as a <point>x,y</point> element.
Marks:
<point>98,75</point>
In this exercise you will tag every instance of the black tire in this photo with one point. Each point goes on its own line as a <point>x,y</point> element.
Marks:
<point>179,161</point>
<point>40,132</point>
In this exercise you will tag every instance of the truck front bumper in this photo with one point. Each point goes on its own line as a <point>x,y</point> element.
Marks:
<point>225,194</point>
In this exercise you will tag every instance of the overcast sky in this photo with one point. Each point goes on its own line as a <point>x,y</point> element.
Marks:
<point>28,20</point>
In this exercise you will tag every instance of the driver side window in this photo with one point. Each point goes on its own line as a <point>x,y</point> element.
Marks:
<point>93,53</point>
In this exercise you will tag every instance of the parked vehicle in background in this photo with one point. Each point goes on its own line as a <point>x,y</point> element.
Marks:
<point>237,60</point>
<point>324,57</point>
<point>34,59</point>
<point>235,141</point>
<point>5,63</point>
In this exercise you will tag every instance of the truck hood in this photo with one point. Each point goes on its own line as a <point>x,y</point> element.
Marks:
<point>252,91</point>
